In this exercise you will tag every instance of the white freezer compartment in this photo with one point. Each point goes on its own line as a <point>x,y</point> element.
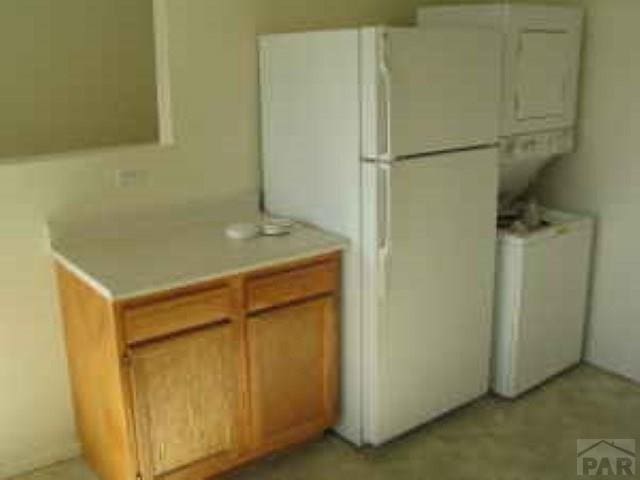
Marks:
<point>427,91</point>
<point>429,280</point>
<point>542,47</point>
<point>541,302</point>
<point>420,91</point>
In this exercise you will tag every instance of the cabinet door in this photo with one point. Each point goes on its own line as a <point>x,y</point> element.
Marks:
<point>187,398</point>
<point>293,371</point>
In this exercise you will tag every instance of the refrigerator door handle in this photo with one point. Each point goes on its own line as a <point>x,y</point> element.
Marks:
<point>384,207</point>
<point>384,100</point>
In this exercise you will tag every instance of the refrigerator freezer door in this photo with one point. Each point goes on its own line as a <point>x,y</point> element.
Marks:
<point>438,89</point>
<point>432,335</point>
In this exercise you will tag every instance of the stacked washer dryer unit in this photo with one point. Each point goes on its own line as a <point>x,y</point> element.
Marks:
<point>543,269</point>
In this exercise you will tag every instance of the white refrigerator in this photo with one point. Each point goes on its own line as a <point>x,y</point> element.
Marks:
<point>388,136</point>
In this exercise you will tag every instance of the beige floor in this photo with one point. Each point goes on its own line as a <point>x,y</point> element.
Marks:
<point>530,439</point>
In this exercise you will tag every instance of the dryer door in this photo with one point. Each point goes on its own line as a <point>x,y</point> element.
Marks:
<point>543,75</point>
<point>542,69</point>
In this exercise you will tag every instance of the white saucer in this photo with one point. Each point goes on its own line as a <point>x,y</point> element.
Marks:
<point>242,231</point>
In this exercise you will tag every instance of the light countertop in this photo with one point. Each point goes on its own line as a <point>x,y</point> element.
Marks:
<point>127,267</point>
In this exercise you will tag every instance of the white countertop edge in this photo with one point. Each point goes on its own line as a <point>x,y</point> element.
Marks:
<point>109,295</point>
<point>78,272</point>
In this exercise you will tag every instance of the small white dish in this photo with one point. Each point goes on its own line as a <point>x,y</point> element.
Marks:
<point>242,231</point>
<point>275,227</point>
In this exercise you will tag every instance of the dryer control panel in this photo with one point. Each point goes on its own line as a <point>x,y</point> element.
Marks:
<point>539,145</point>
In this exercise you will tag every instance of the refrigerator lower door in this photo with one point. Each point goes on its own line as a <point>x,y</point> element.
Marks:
<point>429,338</point>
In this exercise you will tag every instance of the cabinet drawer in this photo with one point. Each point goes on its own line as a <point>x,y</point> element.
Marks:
<point>284,287</point>
<point>165,317</point>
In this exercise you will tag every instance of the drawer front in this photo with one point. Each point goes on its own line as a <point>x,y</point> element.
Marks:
<point>281,288</point>
<point>166,317</point>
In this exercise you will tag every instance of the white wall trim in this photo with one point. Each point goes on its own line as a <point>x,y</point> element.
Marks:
<point>163,72</point>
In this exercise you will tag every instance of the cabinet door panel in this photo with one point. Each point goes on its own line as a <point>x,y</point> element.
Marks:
<point>293,371</point>
<point>186,398</point>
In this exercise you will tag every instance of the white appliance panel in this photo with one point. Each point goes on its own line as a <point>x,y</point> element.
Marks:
<point>542,286</point>
<point>542,64</point>
<point>542,75</point>
<point>310,96</point>
<point>430,89</point>
<point>375,217</point>
<point>433,332</point>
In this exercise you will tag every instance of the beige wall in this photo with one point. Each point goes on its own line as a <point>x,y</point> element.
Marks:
<point>76,74</point>
<point>603,178</point>
<point>213,73</point>
<point>213,68</point>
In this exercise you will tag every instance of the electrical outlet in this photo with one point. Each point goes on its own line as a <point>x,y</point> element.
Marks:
<point>131,178</point>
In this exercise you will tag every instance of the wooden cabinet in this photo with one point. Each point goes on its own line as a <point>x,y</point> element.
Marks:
<point>164,317</point>
<point>269,290</point>
<point>292,355</point>
<point>186,384</point>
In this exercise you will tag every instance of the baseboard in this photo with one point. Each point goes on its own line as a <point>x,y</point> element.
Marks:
<point>39,459</point>
<point>611,371</point>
